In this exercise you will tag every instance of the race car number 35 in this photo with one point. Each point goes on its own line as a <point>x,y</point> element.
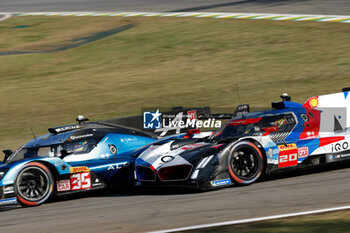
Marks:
<point>80,181</point>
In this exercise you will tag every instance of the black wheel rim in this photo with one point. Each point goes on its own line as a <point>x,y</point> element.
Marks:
<point>33,184</point>
<point>245,163</point>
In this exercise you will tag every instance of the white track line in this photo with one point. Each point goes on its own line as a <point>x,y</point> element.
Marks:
<point>6,16</point>
<point>250,220</point>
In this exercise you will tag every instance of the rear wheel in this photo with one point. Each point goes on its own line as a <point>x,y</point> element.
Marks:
<point>34,184</point>
<point>245,163</point>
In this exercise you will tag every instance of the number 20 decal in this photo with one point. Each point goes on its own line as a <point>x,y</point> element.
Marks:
<point>288,158</point>
<point>80,181</point>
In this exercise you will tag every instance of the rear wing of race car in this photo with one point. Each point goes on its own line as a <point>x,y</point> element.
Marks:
<point>334,110</point>
<point>241,109</point>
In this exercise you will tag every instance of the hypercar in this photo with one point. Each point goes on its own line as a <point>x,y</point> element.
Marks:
<point>73,158</point>
<point>287,136</point>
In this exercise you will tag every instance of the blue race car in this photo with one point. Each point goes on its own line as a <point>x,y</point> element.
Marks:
<point>71,158</point>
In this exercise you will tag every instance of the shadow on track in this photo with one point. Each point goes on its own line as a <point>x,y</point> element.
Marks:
<point>237,3</point>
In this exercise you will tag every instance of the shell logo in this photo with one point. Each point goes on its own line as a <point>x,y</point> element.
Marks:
<point>313,102</point>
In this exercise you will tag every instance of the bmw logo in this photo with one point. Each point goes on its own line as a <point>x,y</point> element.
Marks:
<point>167,158</point>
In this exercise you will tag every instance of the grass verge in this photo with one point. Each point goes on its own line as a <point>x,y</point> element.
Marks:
<point>159,62</point>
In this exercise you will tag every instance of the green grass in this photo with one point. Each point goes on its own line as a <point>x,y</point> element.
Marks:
<point>335,222</point>
<point>160,62</point>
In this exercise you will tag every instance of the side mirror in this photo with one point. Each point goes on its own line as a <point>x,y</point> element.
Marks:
<point>64,153</point>
<point>7,153</point>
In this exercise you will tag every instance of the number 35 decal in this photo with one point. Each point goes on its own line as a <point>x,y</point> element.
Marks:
<point>80,181</point>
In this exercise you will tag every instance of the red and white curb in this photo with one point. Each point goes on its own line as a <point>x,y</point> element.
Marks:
<point>251,220</point>
<point>217,15</point>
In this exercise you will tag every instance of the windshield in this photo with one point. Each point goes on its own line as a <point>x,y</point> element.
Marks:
<point>33,152</point>
<point>238,128</point>
<point>265,125</point>
<point>72,147</point>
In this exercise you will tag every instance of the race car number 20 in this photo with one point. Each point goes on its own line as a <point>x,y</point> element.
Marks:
<point>80,181</point>
<point>288,155</point>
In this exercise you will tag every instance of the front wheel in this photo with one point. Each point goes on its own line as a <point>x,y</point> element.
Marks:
<point>34,184</point>
<point>245,163</point>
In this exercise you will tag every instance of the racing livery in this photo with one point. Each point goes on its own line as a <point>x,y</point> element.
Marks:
<point>288,136</point>
<point>71,158</point>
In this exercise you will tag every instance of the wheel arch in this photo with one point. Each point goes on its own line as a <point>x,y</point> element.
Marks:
<point>51,167</point>
<point>261,148</point>
<point>255,145</point>
<point>53,173</point>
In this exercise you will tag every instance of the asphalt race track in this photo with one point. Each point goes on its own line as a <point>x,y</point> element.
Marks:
<point>139,210</point>
<point>334,7</point>
<point>146,210</point>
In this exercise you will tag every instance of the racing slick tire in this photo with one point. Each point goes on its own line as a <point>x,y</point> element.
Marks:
<point>34,184</point>
<point>245,163</point>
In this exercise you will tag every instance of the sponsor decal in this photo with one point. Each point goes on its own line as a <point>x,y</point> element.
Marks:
<point>303,152</point>
<point>8,190</point>
<point>127,140</point>
<point>221,182</point>
<point>288,155</point>
<point>336,157</point>
<point>63,185</point>
<point>314,102</point>
<point>81,136</point>
<point>58,163</point>
<point>118,166</point>
<point>341,156</point>
<point>152,120</point>
<point>96,183</point>
<point>78,169</point>
<point>287,147</point>
<point>339,146</point>
<point>192,115</point>
<point>104,156</point>
<point>79,181</point>
<point>67,128</point>
<point>8,201</point>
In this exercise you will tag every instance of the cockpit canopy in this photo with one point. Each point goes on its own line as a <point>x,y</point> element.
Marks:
<point>259,125</point>
<point>80,146</point>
